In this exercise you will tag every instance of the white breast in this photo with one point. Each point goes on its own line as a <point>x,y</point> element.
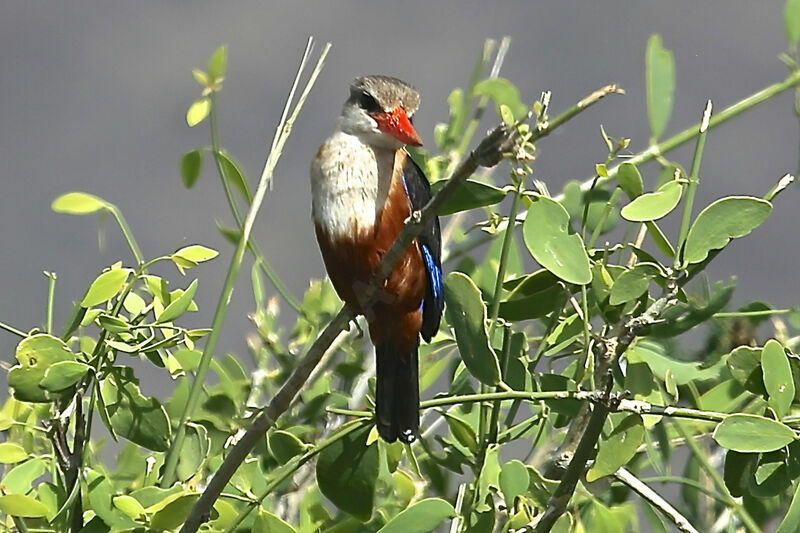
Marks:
<point>349,184</point>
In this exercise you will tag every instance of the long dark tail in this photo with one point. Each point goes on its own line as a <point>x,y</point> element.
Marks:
<point>397,392</point>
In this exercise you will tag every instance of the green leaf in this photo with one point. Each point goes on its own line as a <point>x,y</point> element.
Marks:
<point>630,180</point>
<point>660,72</point>
<point>777,377</point>
<point>466,313</point>
<point>723,220</point>
<point>470,195</point>
<point>752,433</point>
<point>12,453</point>
<point>113,324</point>
<point>533,296</point>
<point>514,481</point>
<point>791,21</point>
<point>683,372</point>
<point>174,513</point>
<point>422,517</point>
<point>139,419</point>
<point>198,111</point>
<point>618,448</point>
<point>284,445</point>
<point>35,355</point>
<point>654,205</point>
<point>347,471</point>
<point>179,305</point>
<point>19,479</point>
<point>191,167</point>
<point>791,522</point>
<point>63,375</point>
<point>201,77</point>
<point>632,283</point>
<point>22,506</point>
<point>191,256</point>
<point>106,286</point>
<point>194,452</point>
<point>502,91</point>
<point>463,432</point>
<point>742,362</point>
<point>267,522</point>
<point>218,62</point>
<point>553,244</point>
<point>78,203</point>
<point>128,505</point>
<point>233,174</point>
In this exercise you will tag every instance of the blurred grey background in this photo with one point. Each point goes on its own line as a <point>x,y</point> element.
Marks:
<point>93,96</point>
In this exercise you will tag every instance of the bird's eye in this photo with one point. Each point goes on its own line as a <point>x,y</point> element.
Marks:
<point>368,103</point>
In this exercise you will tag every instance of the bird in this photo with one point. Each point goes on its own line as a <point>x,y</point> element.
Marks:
<point>364,186</point>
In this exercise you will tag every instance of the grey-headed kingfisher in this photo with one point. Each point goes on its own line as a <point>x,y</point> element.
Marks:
<point>365,186</point>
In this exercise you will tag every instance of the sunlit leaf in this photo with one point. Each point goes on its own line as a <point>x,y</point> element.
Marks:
<point>752,433</point>
<point>514,480</point>
<point>777,377</point>
<point>234,174</point>
<point>267,522</point>
<point>22,506</point>
<point>106,286</point>
<point>630,180</point>
<point>12,453</point>
<point>179,305</point>
<point>137,418</point>
<point>218,62</point>
<point>502,91</point>
<point>654,205</point>
<point>660,72</point>
<point>78,203</point>
<point>128,505</point>
<point>63,375</point>
<point>723,220</point>
<point>553,244</point>
<point>618,448</point>
<point>198,111</point>
<point>35,355</point>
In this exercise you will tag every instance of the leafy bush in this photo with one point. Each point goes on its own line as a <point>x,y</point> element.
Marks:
<point>558,395</point>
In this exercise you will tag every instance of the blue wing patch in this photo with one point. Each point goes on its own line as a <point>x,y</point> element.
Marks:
<point>435,276</point>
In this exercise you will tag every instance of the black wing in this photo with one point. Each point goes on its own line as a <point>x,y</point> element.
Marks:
<point>430,241</point>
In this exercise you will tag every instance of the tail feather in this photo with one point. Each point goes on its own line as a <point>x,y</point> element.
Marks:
<point>397,392</point>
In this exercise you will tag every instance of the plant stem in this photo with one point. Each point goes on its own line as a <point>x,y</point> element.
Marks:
<point>508,238</point>
<point>694,180</point>
<point>655,500</point>
<point>715,476</point>
<point>126,232</point>
<point>745,314</point>
<point>12,329</point>
<point>284,130</point>
<point>51,298</point>
<point>656,150</point>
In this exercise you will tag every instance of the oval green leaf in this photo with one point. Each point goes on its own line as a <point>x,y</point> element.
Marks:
<point>22,506</point>
<point>514,480</point>
<point>552,243</point>
<point>191,167</point>
<point>179,305</point>
<point>470,195</point>
<point>35,355</point>
<point>618,448</point>
<point>128,505</point>
<point>630,180</point>
<point>347,471</point>
<point>660,74</point>
<point>12,453</point>
<point>198,111</point>
<point>234,175</point>
<point>777,377</point>
<point>106,286</point>
<point>654,205</point>
<point>422,517</point>
<point>63,375</point>
<point>752,433</point>
<point>267,522</point>
<point>78,203</point>
<point>218,62</point>
<point>466,313</point>
<point>723,220</point>
<point>284,445</point>
<point>502,91</point>
<point>140,419</point>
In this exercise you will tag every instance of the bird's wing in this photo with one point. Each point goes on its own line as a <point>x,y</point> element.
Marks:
<point>430,244</point>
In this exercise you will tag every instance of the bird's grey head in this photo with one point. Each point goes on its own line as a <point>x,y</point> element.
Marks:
<point>380,110</point>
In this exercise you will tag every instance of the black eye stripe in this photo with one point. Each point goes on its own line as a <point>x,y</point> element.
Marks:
<point>368,103</point>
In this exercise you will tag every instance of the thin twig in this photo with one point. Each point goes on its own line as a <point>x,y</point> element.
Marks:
<point>655,500</point>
